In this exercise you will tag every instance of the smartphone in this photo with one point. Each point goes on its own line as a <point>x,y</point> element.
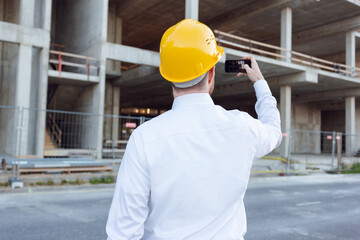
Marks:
<point>236,66</point>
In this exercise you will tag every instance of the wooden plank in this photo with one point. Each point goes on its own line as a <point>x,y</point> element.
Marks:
<point>27,156</point>
<point>344,68</point>
<point>251,41</point>
<point>57,45</point>
<point>72,55</point>
<point>253,49</point>
<point>115,150</point>
<point>71,64</point>
<point>117,141</point>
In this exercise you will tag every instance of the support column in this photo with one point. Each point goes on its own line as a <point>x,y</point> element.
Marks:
<point>350,51</point>
<point>349,125</point>
<point>27,13</point>
<point>286,33</point>
<point>100,88</point>
<point>43,82</point>
<point>285,114</point>
<point>114,35</point>
<point>23,87</point>
<point>192,9</point>
<point>115,111</point>
<point>118,40</point>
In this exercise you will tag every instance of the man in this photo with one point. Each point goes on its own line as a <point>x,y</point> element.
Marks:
<point>184,173</point>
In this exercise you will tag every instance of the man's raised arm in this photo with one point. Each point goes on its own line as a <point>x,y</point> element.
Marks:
<point>268,123</point>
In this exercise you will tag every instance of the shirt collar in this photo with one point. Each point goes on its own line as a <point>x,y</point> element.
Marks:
<point>192,99</point>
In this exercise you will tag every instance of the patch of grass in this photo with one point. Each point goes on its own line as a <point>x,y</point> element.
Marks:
<point>71,182</point>
<point>40,183</point>
<point>63,182</point>
<point>32,184</point>
<point>102,180</point>
<point>50,183</point>
<point>4,184</point>
<point>355,168</point>
<point>76,182</point>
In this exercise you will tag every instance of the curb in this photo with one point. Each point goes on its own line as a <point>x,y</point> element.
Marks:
<point>316,176</point>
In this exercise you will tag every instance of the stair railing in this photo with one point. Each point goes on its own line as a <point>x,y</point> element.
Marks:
<point>54,130</point>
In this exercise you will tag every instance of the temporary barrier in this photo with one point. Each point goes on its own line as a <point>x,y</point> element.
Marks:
<point>38,133</point>
<point>317,150</point>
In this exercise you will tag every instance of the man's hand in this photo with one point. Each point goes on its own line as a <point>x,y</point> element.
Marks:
<point>254,72</point>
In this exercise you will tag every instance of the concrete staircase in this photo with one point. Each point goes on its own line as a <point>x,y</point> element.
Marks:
<point>49,144</point>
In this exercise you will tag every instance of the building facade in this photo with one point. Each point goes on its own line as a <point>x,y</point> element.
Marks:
<point>100,57</point>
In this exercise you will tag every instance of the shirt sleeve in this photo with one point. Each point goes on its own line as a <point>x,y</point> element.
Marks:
<point>268,123</point>
<point>129,207</point>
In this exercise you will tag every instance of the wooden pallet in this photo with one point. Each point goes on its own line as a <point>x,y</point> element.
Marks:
<point>67,170</point>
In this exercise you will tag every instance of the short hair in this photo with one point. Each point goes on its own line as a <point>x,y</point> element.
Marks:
<point>199,85</point>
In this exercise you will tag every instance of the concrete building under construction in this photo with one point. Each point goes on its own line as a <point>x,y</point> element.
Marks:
<point>100,58</point>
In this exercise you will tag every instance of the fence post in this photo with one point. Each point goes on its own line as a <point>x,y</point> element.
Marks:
<point>339,148</point>
<point>289,151</point>
<point>333,150</point>
<point>142,120</point>
<point>14,180</point>
<point>307,149</point>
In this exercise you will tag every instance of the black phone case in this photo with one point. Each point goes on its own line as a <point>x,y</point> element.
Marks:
<point>236,66</point>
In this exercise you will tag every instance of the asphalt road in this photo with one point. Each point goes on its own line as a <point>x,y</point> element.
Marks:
<point>277,208</point>
<point>304,208</point>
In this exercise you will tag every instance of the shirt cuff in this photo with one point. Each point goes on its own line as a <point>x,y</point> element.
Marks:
<point>261,88</point>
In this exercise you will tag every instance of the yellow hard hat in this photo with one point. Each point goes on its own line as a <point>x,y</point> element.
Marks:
<point>187,51</point>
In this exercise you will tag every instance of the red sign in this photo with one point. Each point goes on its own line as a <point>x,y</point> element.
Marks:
<point>130,125</point>
<point>329,137</point>
<point>284,134</point>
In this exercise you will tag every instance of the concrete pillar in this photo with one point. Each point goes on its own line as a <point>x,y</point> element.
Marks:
<point>118,40</point>
<point>192,9</point>
<point>114,35</point>
<point>115,111</point>
<point>2,10</point>
<point>350,51</point>
<point>285,114</point>
<point>350,125</point>
<point>286,33</point>
<point>100,88</point>
<point>43,82</point>
<point>2,18</point>
<point>22,95</point>
<point>27,13</point>
<point>47,6</point>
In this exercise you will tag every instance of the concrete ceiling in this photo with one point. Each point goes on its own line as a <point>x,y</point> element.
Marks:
<point>144,21</point>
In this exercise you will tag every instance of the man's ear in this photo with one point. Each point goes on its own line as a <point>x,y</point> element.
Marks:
<point>211,74</point>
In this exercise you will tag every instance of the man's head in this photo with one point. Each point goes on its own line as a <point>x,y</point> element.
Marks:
<point>188,54</point>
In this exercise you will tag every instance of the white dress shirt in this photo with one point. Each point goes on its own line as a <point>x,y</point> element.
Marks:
<point>184,173</point>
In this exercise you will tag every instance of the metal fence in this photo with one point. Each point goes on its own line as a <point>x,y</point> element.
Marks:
<point>9,132</point>
<point>117,131</point>
<point>304,150</point>
<point>29,133</point>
